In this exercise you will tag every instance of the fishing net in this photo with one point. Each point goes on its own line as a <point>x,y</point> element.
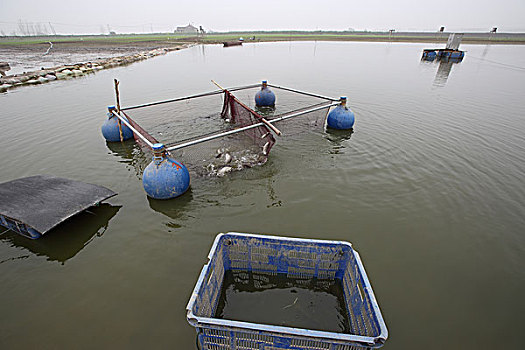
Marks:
<point>235,112</point>
<point>245,141</point>
<point>288,102</point>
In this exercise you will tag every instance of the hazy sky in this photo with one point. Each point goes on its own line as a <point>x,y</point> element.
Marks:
<point>94,16</point>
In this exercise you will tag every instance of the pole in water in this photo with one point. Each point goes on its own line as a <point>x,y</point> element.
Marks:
<point>341,117</point>
<point>117,95</point>
<point>164,177</point>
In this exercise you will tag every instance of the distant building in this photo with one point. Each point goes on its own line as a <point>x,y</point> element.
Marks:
<point>189,29</point>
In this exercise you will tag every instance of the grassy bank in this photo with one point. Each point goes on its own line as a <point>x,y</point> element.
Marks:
<point>473,38</point>
<point>165,39</point>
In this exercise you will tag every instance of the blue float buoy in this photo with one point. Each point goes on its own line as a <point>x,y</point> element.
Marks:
<point>265,97</point>
<point>341,117</point>
<point>165,178</point>
<point>110,128</point>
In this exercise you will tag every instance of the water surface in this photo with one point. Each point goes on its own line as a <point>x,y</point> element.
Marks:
<point>307,303</point>
<point>429,189</point>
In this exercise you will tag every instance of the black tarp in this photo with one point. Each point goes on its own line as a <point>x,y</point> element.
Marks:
<point>43,201</point>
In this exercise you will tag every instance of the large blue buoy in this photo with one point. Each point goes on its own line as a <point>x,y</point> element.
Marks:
<point>110,128</point>
<point>341,117</point>
<point>265,97</point>
<point>165,178</point>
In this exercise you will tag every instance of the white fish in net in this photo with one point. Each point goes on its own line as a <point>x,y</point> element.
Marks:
<point>227,161</point>
<point>224,170</point>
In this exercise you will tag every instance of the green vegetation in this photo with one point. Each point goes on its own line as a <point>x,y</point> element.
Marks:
<point>127,38</point>
<point>166,38</point>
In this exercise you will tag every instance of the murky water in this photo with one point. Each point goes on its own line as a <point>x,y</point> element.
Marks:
<point>429,189</point>
<point>278,300</point>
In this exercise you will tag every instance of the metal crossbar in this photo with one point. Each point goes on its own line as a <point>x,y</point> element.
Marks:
<point>303,92</point>
<point>211,93</point>
<point>135,131</point>
<point>249,126</point>
<point>237,130</point>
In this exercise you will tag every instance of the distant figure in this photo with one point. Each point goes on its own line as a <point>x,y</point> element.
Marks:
<point>390,32</point>
<point>494,30</point>
<point>4,66</point>
<point>201,30</point>
<point>442,29</point>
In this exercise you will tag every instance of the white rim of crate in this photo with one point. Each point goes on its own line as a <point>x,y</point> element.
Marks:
<point>198,321</point>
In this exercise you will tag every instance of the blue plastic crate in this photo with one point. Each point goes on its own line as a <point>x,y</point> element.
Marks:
<point>303,258</point>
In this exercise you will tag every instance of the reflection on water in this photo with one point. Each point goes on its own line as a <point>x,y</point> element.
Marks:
<point>337,139</point>
<point>69,238</point>
<point>485,51</point>
<point>442,73</point>
<point>443,70</point>
<point>272,195</point>
<point>265,111</point>
<point>131,154</point>
<point>173,208</point>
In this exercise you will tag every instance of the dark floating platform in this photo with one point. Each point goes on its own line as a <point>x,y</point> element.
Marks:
<point>232,43</point>
<point>442,54</point>
<point>32,206</point>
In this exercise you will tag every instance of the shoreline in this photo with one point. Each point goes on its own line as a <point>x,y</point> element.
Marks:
<point>167,39</point>
<point>73,70</point>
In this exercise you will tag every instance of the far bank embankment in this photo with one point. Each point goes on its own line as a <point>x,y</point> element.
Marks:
<point>39,63</point>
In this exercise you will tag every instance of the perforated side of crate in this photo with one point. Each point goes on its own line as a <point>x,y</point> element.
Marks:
<point>207,299</point>
<point>358,302</point>
<point>298,260</point>
<point>213,339</point>
<point>348,347</point>
<point>293,259</point>
<point>309,344</point>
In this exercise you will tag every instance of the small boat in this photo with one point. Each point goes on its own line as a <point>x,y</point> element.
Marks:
<point>232,43</point>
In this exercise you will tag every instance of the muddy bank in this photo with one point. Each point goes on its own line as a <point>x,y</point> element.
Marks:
<point>30,65</point>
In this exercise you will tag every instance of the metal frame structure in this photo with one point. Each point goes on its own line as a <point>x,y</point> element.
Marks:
<point>331,102</point>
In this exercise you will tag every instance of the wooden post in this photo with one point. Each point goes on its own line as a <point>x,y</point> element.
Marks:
<point>117,95</point>
<point>268,124</point>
